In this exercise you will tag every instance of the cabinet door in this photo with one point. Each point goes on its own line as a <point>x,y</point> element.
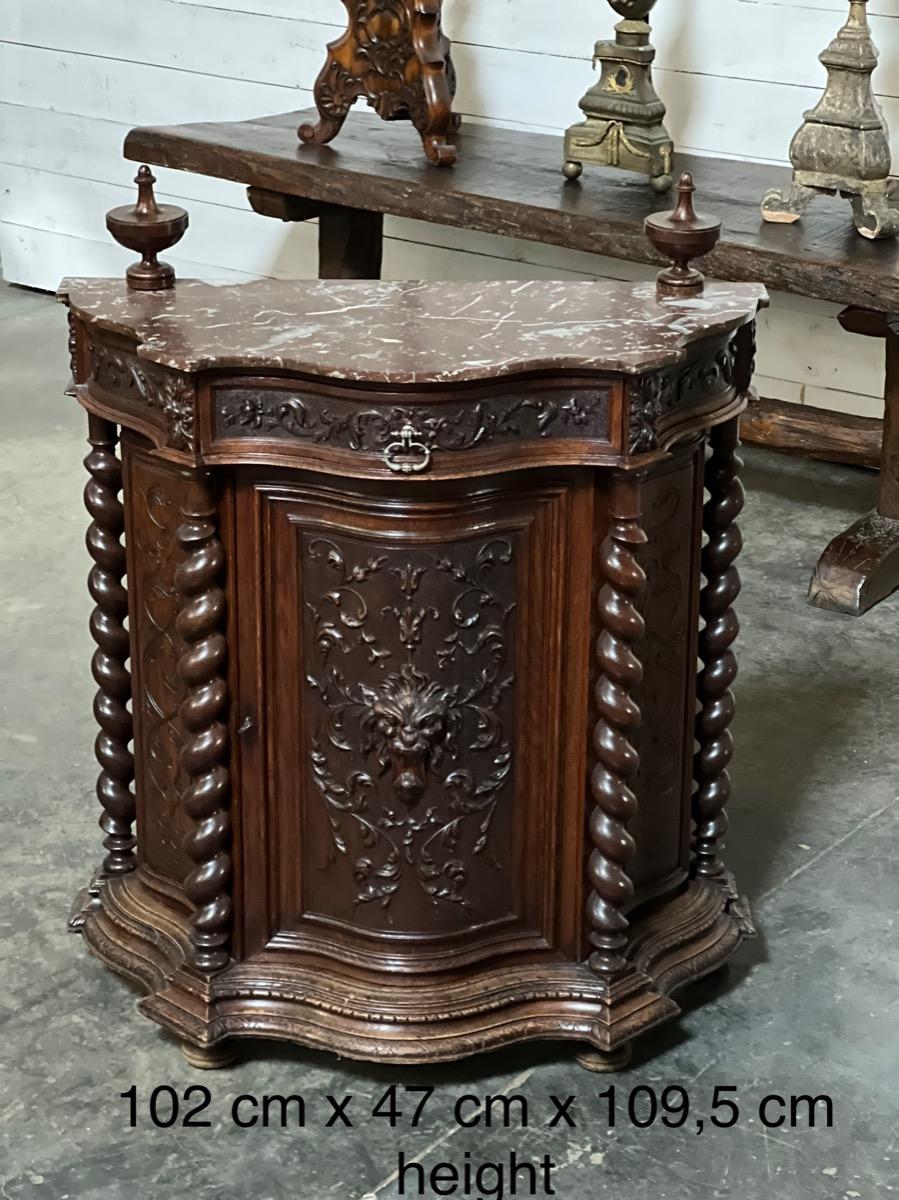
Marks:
<point>414,669</point>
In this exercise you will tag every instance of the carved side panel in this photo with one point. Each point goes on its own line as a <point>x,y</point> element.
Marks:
<point>155,495</point>
<point>666,697</point>
<point>421,730</point>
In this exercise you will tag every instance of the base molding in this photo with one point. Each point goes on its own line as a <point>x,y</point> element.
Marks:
<point>138,926</point>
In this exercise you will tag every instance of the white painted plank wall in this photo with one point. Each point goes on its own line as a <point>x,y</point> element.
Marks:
<point>75,75</point>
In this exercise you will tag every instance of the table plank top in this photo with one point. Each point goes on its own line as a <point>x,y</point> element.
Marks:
<point>510,183</point>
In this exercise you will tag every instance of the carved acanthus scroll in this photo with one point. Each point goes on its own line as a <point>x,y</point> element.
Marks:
<point>410,750</point>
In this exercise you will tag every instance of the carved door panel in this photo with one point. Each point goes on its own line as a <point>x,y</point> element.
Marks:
<point>413,790</point>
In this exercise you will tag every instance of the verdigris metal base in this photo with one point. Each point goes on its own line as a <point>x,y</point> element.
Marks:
<point>624,124</point>
<point>843,146</point>
<point>872,212</point>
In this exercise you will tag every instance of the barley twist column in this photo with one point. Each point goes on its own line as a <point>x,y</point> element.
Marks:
<point>203,757</point>
<point>719,665</point>
<point>109,664</point>
<point>619,718</point>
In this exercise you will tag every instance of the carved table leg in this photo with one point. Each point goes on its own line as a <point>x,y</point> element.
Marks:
<point>350,243</point>
<point>210,1058</point>
<point>615,805</point>
<point>109,666</point>
<point>200,624</point>
<point>716,639</point>
<point>861,566</point>
<point>350,240</point>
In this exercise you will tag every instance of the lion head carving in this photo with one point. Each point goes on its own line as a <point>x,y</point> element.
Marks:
<point>411,721</point>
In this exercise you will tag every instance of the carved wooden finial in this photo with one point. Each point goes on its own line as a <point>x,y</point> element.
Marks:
<point>682,235</point>
<point>149,228</point>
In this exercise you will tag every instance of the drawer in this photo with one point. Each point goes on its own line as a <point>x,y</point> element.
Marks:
<point>448,434</point>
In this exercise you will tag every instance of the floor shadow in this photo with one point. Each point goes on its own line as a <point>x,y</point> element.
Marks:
<point>779,476</point>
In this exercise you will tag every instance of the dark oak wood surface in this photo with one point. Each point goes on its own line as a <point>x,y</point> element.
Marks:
<point>510,183</point>
<point>417,767</point>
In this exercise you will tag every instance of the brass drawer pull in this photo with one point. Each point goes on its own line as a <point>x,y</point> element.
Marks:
<point>409,455</point>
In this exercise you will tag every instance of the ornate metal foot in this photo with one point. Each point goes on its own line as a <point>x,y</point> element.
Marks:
<point>859,568</point>
<point>210,1058</point>
<point>787,209</point>
<point>875,217</point>
<point>661,183</point>
<point>604,1062</point>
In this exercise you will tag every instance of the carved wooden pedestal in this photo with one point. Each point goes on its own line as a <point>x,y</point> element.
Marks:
<point>395,55</point>
<point>416,593</point>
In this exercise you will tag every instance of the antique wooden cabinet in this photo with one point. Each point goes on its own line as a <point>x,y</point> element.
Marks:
<point>417,585</point>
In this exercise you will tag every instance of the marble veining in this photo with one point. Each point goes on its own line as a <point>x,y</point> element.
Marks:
<point>412,334</point>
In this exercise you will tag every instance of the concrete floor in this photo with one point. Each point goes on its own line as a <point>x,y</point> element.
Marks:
<point>812,1007</point>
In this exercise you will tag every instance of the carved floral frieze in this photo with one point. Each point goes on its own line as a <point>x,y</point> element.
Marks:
<point>441,428</point>
<point>653,397</point>
<point>166,392</point>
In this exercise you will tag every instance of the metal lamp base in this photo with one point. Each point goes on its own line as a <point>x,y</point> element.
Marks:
<point>624,124</point>
<point>843,146</point>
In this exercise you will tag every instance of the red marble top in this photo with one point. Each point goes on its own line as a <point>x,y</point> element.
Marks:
<point>412,333</point>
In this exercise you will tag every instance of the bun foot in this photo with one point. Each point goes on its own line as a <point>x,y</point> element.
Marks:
<point>603,1062</point>
<point>210,1058</point>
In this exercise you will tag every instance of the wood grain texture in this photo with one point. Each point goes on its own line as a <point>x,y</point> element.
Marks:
<point>364,717</point>
<point>813,432</point>
<point>507,182</point>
